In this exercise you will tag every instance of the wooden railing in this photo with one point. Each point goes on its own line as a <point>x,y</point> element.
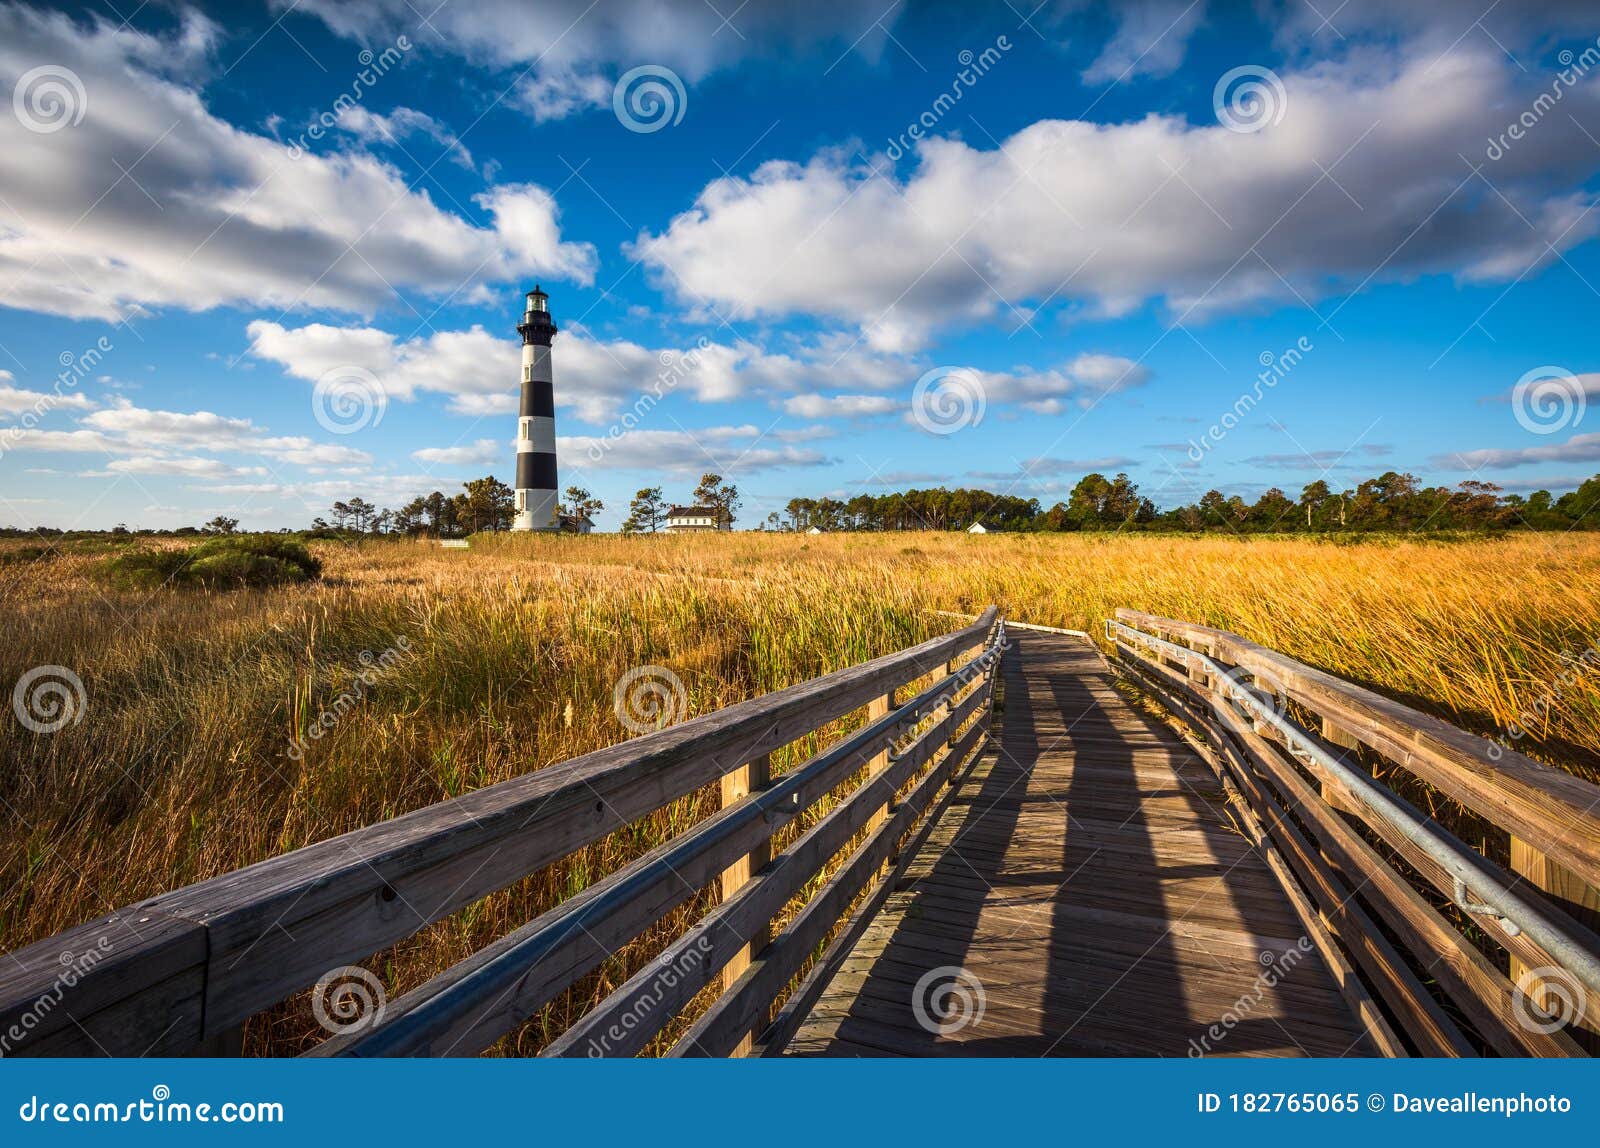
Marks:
<point>180,973</point>
<point>1397,902</point>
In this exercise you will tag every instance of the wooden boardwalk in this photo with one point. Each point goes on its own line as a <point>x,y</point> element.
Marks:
<point>1087,886</point>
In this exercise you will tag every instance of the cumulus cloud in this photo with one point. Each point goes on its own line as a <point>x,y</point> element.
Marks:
<point>1150,40</point>
<point>372,127</point>
<point>141,441</point>
<point>479,370</point>
<point>15,401</point>
<point>1083,380</point>
<point>843,406</point>
<point>1579,448</point>
<point>569,53</point>
<point>1362,180</point>
<point>731,451</point>
<point>204,214</point>
<point>483,452</point>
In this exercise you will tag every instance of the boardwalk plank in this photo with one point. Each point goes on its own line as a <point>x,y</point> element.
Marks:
<point>1087,877</point>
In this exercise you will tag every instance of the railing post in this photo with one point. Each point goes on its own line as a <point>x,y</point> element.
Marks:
<point>1582,900</point>
<point>736,786</point>
<point>878,708</point>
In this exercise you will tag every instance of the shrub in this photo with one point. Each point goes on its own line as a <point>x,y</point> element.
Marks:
<point>231,562</point>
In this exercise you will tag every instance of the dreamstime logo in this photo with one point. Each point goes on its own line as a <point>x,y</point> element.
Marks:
<point>675,367</point>
<point>1249,98</point>
<point>1275,368</point>
<point>348,399</point>
<point>1275,966</point>
<point>74,369</point>
<point>49,98</point>
<point>349,999</point>
<point>1548,399</point>
<point>648,698</point>
<point>649,98</point>
<point>1552,999</point>
<point>373,668</point>
<point>1573,68</point>
<point>946,399</point>
<point>1538,711</point>
<point>974,66</point>
<point>373,68</point>
<point>948,999</point>
<point>49,698</point>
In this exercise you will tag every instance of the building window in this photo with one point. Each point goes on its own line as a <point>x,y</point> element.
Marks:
<point>525,429</point>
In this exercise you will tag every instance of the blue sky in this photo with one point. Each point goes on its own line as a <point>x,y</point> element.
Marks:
<point>280,250</point>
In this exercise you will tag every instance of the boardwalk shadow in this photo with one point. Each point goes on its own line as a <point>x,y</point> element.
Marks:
<point>1125,929</point>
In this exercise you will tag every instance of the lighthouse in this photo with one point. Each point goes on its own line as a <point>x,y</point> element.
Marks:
<point>536,420</point>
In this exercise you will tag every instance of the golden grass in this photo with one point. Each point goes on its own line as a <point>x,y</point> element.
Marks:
<point>180,769</point>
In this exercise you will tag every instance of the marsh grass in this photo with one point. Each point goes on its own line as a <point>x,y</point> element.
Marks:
<point>183,767</point>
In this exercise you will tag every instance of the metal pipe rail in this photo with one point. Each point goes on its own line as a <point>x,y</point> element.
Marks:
<point>1517,912</point>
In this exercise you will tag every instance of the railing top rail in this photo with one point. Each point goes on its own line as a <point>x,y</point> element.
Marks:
<point>1554,811</point>
<point>1571,945</point>
<point>206,956</point>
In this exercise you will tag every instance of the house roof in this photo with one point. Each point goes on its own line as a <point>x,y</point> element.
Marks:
<point>693,512</point>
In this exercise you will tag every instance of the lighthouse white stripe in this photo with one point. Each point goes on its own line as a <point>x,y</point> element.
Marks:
<point>537,435</point>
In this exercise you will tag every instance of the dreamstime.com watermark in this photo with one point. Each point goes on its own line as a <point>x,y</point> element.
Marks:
<point>47,699</point>
<point>948,999</point>
<point>1574,666</point>
<point>74,967</point>
<point>347,399</point>
<point>74,368</point>
<point>1573,69</point>
<point>649,98</point>
<point>1249,98</point>
<point>974,66</point>
<point>649,698</point>
<point>1275,368</point>
<point>49,98</point>
<point>1547,400</point>
<point>947,399</point>
<point>160,1108</point>
<point>1275,967</point>
<point>373,668</point>
<point>1549,998</point>
<point>373,68</point>
<point>675,367</point>
<point>349,999</point>
<point>671,967</point>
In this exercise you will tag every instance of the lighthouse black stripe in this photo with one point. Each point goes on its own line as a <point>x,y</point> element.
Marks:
<point>536,471</point>
<point>538,400</point>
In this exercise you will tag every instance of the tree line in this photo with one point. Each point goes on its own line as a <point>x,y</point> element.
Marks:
<point>1390,502</point>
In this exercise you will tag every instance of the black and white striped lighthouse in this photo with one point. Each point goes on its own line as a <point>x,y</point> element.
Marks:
<point>536,423</point>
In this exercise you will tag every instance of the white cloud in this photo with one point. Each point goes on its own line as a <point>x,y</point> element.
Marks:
<point>571,50</point>
<point>187,467</point>
<point>1151,38</point>
<point>15,401</point>
<point>1084,380</point>
<point>1578,448</point>
<point>1198,216</point>
<point>210,215</point>
<point>594,378</point>
<point>556,95</point>
<point>730,451</point>
<point>845,406</point>
<point>483,452</point>
<point>372,127</point>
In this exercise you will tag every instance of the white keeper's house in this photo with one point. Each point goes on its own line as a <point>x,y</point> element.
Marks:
<point>693,519</point>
